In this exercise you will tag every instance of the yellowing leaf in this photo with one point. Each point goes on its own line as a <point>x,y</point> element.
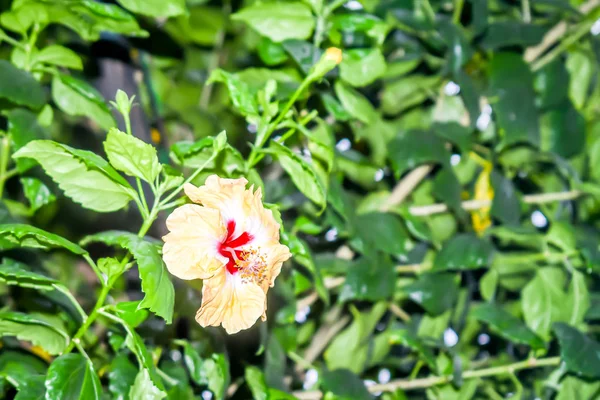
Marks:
<point>483,192</point>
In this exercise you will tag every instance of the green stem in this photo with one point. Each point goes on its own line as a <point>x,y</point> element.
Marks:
<point>290,132</point>
<point>99,274</point>
<point>188,180</point>
<point>127,328</point>
<point>319,31</point>
<point>262,138</point>
<point>481,373</point>
<point>73,300</point>
<point>30,45</point>
<point>458,8</point>
<point>88,322</point>
<point>334,6</point>
<point>4,158</point>
<point>144,210</point>
<point>106,287</point>
<point>4,37</point>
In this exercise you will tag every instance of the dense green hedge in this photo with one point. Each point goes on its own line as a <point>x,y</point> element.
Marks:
<point>438,190</point>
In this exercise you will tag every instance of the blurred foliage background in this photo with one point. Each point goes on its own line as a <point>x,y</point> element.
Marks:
<point>439,191</point>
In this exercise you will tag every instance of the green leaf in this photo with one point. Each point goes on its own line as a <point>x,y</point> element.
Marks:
<point>578,299</point>
<point>202,26</point>
<point>155,8</point>
<point>405,93</point>
<point>506,205</point>
<point>20,87</point>
<point>121,377</point>
<point>511,84</point>
<point>572,388</point>
<point>256,381</point>
<point>512,33</point>
<point>488,285</point>
<point>33,329</point>
<point>345,385</point>
<point>110,267</point>
<point>413,148</point>
<point>455,133</point>
<point>21,235</point>
<point>435,292</point>
<point>216,370</point>
<point>131,312</point>
<point>545,302</point>
<point>32,388</point>
<point>301,172</point>
<point>304,53</point>
<point>23,127</point>
<point>84,177</point>
<point>351,348</point>
<point>355,103</point>
<point>132,156</point>
<point>193,362</point>
<point>562,235</point>
<point>143,388</point>
<point>464,251</point>
<point>278,21</point>
<point>361,67</point>
<point>58,55</point>
<point>160,294</point>
<point>506,325</point>
<point>580,353</point>
<point>446,187</point>
<point>78,98</point>
<point>371,278</point>
<point>37,193</point>
<point>303,256</point>
<point>582,69</point>
<point>72,377</point>
<point>241,97</point>
<point>271,53</point>
<point>405,338</point>
<point>382,231</point>
<point>563,131</point>
<point>135,343</point>
<point>16,273</point>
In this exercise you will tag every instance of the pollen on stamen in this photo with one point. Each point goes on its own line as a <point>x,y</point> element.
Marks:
<point>252,266</point>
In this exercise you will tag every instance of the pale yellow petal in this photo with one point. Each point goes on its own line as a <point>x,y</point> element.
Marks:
<point>191,248</point>
<point>229,301</point>
<point>236,203</point>
<point>277,254</point>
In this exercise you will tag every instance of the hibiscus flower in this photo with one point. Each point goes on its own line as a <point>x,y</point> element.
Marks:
<point>228,239</point>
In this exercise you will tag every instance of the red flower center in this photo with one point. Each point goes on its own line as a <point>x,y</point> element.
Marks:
<point>229,246</point>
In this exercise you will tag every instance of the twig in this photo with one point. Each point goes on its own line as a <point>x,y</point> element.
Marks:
<point>331,326</point>
<point>410,384</point>
<point>526,10</point>
<point>406,186</point>
<point>412,268</point>
<point>555,34</point>
<point>421,211</point>
<point>399,312</point>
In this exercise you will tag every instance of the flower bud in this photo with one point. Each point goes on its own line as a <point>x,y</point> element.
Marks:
<point>329,60</point>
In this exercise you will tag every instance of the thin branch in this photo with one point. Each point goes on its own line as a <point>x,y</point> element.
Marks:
<point>555,34</point>
<point>406,186</point>
<point>399,312</point>
<point>422,383</point>
<point>421,211</point>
